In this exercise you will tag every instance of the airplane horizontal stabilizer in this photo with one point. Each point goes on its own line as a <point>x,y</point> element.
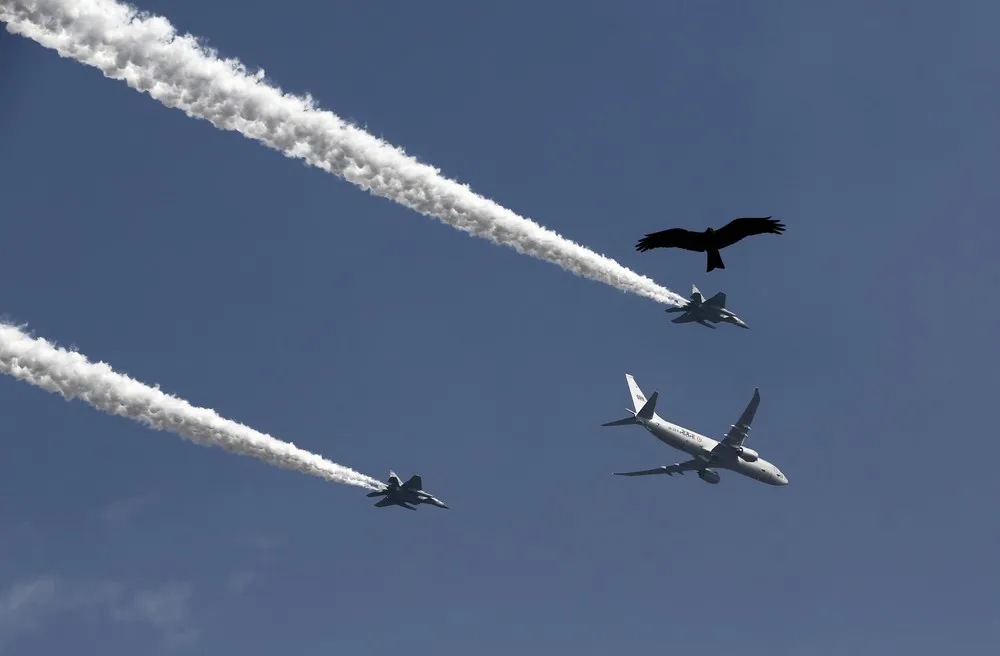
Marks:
<point>627,421</point>
<point>648,409</point>
<point>645,472</point>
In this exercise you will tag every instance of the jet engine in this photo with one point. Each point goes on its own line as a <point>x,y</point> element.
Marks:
<point>747,454</point>
<point>709,476</point>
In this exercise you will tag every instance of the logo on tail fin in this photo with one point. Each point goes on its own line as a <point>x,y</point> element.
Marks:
<point>638,398</point>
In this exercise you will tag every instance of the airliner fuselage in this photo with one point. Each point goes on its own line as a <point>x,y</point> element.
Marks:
<point>706,448</point>
<point>708,454</point>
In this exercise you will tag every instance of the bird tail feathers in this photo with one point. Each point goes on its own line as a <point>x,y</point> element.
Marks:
<point>715,260</point>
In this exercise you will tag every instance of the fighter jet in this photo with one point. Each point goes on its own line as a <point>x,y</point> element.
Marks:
<point>701,311</point>
<point>708,453</point>
<point>403,494</point>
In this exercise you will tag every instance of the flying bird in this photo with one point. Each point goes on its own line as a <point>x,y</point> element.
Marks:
<point>711,240</point>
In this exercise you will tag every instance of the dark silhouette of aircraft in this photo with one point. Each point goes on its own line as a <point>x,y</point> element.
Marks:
<point>397,493</point>
<point>711,241</point>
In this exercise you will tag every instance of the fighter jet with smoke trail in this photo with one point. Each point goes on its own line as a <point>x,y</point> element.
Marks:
<point>701,311</point>
<point>403,494</point>
<point>184,74</point>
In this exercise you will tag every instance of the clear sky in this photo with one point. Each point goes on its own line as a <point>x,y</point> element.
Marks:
<point>296,303</point>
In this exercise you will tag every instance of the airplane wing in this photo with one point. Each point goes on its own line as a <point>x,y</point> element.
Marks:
<point>741,429</point>
<point>719,300</point>
<point>676,468</point>
<point>385,502</point>
<point>415,483</point>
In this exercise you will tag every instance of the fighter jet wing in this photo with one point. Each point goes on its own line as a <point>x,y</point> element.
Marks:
<point>385,502</point>
<point>741,429</point>
<point>676,468</point>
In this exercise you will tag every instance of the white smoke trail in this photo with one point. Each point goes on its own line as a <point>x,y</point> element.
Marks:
<point>147,53</point>
<point>70,374</point>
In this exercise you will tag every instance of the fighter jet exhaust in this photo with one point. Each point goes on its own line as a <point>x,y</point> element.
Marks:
<point>146,52</point>
<point>70,374</point>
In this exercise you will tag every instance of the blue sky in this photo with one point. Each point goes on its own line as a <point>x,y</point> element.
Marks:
<point>292,301</point>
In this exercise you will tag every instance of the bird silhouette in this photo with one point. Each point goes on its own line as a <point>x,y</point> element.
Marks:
<point>711,240</point>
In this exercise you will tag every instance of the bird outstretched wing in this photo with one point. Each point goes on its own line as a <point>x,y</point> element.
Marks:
<point>673,238</point>
<point>737,229</point>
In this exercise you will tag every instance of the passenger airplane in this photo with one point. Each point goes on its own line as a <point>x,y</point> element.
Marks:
<point>727,454</point>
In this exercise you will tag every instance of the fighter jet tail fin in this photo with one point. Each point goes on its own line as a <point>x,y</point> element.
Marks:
<point>719,300</point>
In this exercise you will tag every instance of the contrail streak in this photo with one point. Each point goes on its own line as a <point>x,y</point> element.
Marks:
<point>70,374</point>
<point>146,52</point>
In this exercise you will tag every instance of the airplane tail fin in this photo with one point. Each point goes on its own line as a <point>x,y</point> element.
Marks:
<point>638,398</point>
<point>649,408</point>
<point>644,408</point>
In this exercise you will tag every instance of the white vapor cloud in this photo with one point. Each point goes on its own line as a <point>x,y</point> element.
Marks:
<point>122,510</point>
<point>165,608</point>
<point>147,53</point>
<point>70,374</point>
<point>240,580</point>
<point>27,606</point>
<point>24,605</point>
